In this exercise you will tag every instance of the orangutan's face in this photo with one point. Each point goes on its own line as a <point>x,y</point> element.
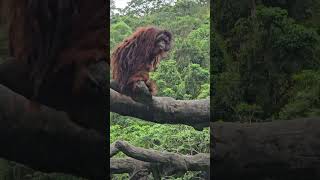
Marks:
<point>163,41</point>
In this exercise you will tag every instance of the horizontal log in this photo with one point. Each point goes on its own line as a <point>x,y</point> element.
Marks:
<point>163,110</point>
<point>276,150</point>
<point>165,163</point>
<point>47,140</point>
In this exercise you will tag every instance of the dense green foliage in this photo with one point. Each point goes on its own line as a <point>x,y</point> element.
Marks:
<point>184,74</point>
<point>265,60</point>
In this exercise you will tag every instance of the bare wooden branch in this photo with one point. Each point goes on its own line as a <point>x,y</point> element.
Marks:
<point>88,110</point>
<point>128,165</point>
<point>113,150</point>
<point>163,110</point>
<point>167,163</point>
<point>46,139</point>
<point>276,150</point>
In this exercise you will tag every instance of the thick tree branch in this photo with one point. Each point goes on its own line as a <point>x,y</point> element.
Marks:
<point>166,163</point>
<point>277,150</point>
<point>45,139</point>
<point>163,110</point>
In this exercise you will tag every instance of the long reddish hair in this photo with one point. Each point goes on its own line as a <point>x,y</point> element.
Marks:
<point>136,56</point>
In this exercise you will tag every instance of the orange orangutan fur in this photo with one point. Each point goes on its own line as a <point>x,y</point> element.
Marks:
<point>135,57</point>
<point>50,35</point>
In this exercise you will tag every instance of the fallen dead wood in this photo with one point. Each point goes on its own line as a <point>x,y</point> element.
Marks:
<point>158,163</point>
